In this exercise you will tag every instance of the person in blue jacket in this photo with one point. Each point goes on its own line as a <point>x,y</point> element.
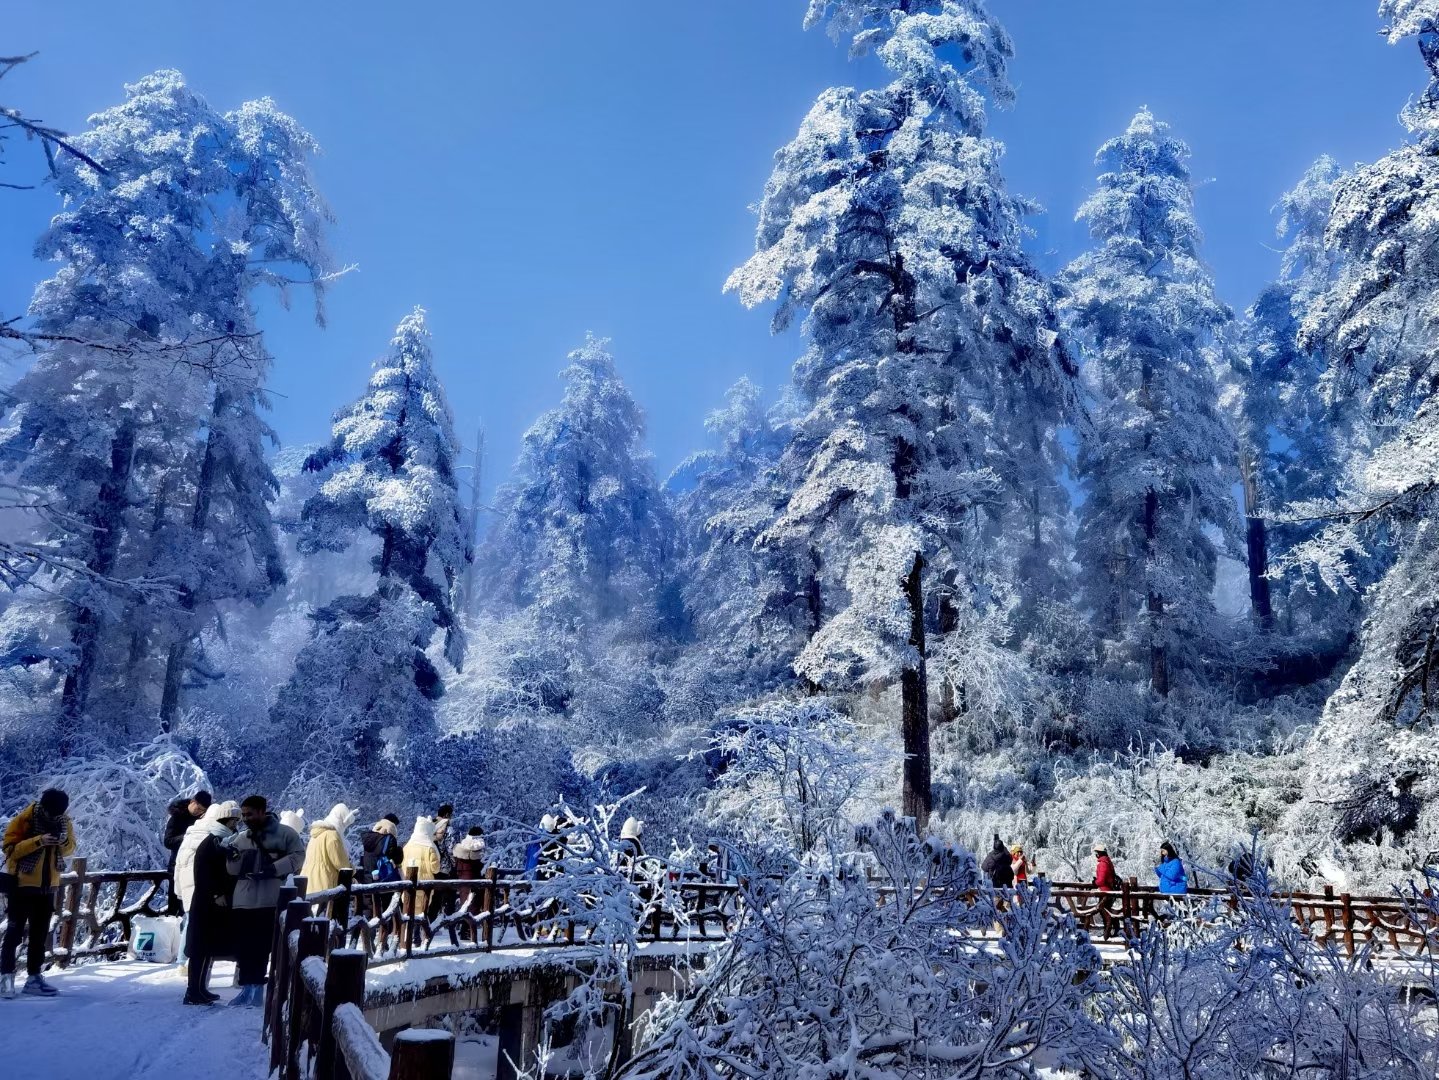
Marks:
<point>1170,871</point>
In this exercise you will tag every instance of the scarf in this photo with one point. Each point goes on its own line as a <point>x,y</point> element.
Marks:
<point>42,824</point>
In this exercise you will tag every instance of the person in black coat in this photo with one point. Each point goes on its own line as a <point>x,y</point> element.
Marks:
<point>997,866</point>
<point>179,816</point>
<point>207,934</point>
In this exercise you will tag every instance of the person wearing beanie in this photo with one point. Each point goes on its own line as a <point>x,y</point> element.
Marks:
<point>179,816</point>
<point>294,819</point>
<point>37,842</point>
<point>1106,878</point>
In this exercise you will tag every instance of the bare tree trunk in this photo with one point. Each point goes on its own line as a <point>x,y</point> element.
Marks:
<point>178,656</point>
<point>85,629</point>
<point>914,714</point>
<point>1158,661</point>
<point>469,580</point>
<point>1260,603</point>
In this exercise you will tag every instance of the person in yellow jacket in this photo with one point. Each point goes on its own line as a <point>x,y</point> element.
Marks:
<point>326,856</point>
<point>420,851</point>
<point>37,842</point>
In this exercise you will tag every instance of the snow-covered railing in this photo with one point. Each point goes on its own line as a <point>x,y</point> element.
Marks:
<point>394,921</point>
<point>324,942</point>
<point>1385,925</point>
<point>94,911</point>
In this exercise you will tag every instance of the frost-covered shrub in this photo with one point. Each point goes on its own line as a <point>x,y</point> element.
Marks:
<point>117,801</point>
<point>792,775</point>
<point>820,980</point>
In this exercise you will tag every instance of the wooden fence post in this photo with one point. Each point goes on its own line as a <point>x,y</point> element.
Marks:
<point>344,985</point>
<point>490,902</point>
<point>279,955</point>
<point>281,977</point>
<point>1347,911</point>
<point>69,912</point>
<point>312,935</point>
<point>1328,914</point>
<point>340,907</point>
<point>301,883</point>
<point>412,879</point>
<point>422,1054</point>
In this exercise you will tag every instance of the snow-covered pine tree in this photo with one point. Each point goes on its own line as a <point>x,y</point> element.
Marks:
<point>1157,472</point>
<point>886,223</point>
<point>136,425</point>
<point>1376,757</point>
<point>1289,436</point>
<point>745,603</point>
<point>364,684</point>
<point>583,534</point>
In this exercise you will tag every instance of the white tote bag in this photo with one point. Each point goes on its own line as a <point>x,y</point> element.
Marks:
<point>155,939</point>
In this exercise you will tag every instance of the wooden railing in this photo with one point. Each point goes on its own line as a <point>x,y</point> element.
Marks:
<point>94,912</point>
<point>1385,925</point>
<point>325,942</point>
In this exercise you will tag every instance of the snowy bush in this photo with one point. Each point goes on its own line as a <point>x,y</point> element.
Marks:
<point>118,802</point>
<point>820,980</point>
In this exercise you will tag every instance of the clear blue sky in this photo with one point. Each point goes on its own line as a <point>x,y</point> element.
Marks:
<point>531,171</point>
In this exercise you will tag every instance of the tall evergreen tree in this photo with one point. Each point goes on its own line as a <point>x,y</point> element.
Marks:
<point>1289,436</point>
<point>364,682</point>
<point>1376,759</point>
<point>745,600</point>
<point>887,224</point>
<point>583,534</point>
<point>1156,473</point>
<point>138,420</point>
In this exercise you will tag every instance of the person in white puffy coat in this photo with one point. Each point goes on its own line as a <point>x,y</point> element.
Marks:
<point>212,823</point>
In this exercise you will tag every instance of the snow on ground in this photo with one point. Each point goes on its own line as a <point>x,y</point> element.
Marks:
<point>124,1021</point>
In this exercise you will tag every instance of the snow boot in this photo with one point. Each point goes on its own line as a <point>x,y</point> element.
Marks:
<point>249,997</point>
<point>36,986</point>
<point>7,986</point>
<point>195,999</point>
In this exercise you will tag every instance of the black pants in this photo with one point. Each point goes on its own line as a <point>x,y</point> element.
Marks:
<point>254,930</point>
<point>32,908</point>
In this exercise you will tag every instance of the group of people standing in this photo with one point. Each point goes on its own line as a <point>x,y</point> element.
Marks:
<point>228,869</point>
<point>1006,867</point>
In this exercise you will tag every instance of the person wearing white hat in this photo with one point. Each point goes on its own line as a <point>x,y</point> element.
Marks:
<point>205,887</point>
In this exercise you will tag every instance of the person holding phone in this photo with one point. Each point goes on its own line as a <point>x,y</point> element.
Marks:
<point>37,842</point>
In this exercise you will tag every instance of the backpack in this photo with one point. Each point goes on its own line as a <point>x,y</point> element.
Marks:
<point>532,856</point>
<point>386,870</point>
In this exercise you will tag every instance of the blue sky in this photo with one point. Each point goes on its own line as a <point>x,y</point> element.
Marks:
<point>529,172</point>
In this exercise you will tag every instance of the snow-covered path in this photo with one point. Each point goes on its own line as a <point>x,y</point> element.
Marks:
<point>124,1021</point>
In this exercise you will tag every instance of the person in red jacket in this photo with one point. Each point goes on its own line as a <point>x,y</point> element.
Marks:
<point>1105,879</point>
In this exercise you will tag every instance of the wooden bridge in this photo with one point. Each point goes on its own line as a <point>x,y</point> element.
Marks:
<point>356,968</point>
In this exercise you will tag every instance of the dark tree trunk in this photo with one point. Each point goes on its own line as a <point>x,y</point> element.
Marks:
<point>917,798</point>
<point>1260,603</point>
<point>1158,660</point>
<point>85,629</point>
<point>951,698</point>
<point>178,656</point>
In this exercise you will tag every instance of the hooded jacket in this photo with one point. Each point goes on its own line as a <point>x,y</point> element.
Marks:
<point>997,867</point>
<point>261,859</point>
<point>376,843</point>
<point>326,856</point>
<point>420,851</point>
<point>34,864</point>
<point>207,825</point>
